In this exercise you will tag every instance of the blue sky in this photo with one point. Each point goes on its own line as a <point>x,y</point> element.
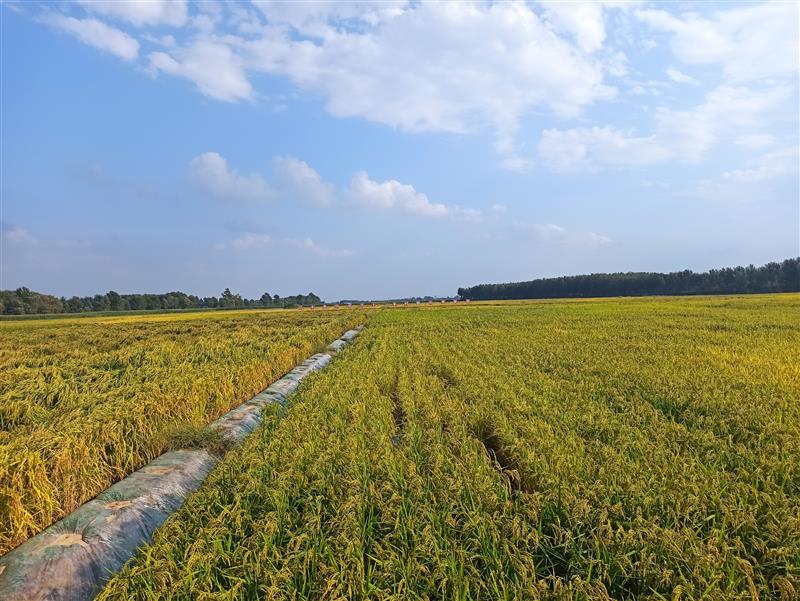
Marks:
<point>388,149</point>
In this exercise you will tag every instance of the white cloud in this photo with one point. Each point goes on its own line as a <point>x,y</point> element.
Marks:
<point>749,182</point>
<point>584,20</point>
<point>755,141</point>
<point>296,179</point>
<point>391,194</point>
<point>469,66</point>
<point>308,245</point>
<point>548,231</point>
<point>748,42</point>
<point>462,67</point>
<point>590,148</point>
<point>141,12</point>
<point>246,241</point>
<point>249,241</point>
<point>728,112</point>
<point>97,34</point>
<point>210,173</point>
<point>550,234</point>
<point>680,77</point>
<point>470,215</point>
<point>17,235</point>
<point>323,19</point>
<point>445,67</point>
<point>165,41</point>
<point>436,67</point>
<point>499,208</point>
<point>214,68</point>
<point>595,239</point>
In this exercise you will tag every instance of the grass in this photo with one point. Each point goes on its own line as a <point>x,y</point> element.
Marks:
<point>198,437</point>
<point>608,449</point>
<point>86,401</point>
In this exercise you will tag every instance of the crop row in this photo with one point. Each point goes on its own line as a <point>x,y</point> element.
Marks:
<point>84,402</point>
<point>625,449</point>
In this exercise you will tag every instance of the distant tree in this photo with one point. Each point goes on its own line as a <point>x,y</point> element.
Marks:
<point>772,277</point>
<point>14,306</point>
<point>73,305</point>
<point>114,301</point>
<point>226,299</point>
<point>100,303</point>
<point>25,301</point>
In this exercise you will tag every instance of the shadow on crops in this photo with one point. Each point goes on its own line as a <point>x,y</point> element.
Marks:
<point>445,375</point>
<point>502,460</point>
<point>398,414</point>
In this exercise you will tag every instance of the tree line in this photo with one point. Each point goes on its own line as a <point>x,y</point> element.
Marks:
<point>23,301</point>
<point>772,277</point>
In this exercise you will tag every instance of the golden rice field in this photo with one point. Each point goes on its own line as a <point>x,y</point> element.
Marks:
<point>587,450</point>
<point>85,401</point>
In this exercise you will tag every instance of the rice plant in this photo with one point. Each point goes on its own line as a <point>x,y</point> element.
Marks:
<point>613,449</point>
<point>86,401</point>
